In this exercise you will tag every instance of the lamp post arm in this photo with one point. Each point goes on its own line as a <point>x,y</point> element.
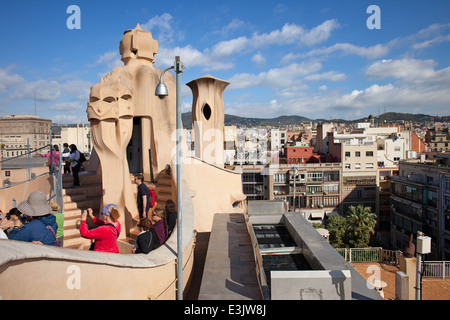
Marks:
<point>161,79</point>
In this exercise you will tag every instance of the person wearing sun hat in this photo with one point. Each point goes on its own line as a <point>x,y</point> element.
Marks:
<point>42,227</point>
<point>107,232</point>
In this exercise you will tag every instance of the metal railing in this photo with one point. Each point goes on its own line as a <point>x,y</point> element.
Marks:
<point>436,269</point>
<point>26,161</point>
<point>374,254</point>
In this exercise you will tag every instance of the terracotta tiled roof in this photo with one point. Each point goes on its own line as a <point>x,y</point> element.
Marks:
<point>432,288</point>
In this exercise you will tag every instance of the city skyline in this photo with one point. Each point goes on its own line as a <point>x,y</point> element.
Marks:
<point>327,59</point>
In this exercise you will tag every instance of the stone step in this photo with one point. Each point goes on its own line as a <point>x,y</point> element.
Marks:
<point>85,177</point>
<point>93,203</point>
<point>164,181</point>
<point>77,243</point>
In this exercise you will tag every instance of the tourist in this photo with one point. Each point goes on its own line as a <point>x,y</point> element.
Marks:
<point>107,232</point>
<point>59,221</point>
<point>159,224</point>
<point>65,156</point>
<point>6,224</point>
<point>147,240</point>
<point>2,233</point>
<point>53,156</point>
<point>143,197</point>
<point>42,226</point>
<point>171,216</point>
<point>75,164</point>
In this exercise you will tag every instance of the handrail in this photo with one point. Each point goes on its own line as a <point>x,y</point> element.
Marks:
<point>56,174</point>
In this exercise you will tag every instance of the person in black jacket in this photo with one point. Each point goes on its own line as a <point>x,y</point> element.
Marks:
<point>147,240</point>
<point>171,216</point>
<point>143,201</point>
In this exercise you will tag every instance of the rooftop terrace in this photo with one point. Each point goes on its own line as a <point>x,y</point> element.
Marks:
<point>236,265</point>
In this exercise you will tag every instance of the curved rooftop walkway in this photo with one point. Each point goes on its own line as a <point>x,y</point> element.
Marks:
<point>229,272</point>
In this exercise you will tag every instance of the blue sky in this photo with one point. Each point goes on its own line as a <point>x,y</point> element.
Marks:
<point>316,59</point>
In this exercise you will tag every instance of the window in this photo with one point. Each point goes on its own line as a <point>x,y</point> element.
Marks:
<point>279,178</point>
<point>357,165</point>
<point>314,176</point>
<point>313,189</point>
<point>331,188</point>
<point>347,153</point>
<point>357,154</point>
<point>369,153</point>
<point>347,166</point>
<point>369,165</point>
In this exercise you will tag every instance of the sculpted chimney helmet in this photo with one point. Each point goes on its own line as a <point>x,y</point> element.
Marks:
<point>138,44</point>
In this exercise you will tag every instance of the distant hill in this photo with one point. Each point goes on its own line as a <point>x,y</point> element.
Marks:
<point>388,117</point>
<point>231,120</point>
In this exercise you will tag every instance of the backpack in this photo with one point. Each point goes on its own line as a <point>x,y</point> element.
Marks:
<point>82,158</point>
<point>151,197</point>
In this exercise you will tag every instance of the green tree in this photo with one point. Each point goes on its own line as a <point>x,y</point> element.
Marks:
<point>352,230</point>
<point>337,226</point>
<point>361,225</point>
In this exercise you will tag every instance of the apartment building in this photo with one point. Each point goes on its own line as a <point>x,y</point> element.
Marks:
<point>17,130</point>
<point>312,189</point>
<point>359,168</point>
<point>444,189</point>
<point>322,142</point>
<point>419,201</point>
<point>277,139</point>
<point>297,154</point>
<point>438,139</point>
<point>79,135</point>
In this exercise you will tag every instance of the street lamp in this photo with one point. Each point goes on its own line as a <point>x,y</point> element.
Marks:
<point>161,91</point>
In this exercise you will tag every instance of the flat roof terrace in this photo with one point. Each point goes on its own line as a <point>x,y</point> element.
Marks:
<point>234,266</point>
<point>321,272</point>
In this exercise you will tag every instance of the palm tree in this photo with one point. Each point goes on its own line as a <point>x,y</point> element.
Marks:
<point>361,224</point>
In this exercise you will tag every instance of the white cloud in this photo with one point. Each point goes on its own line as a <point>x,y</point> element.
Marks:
<point>409,70</point>
<point>163,28</point>
<point>111,59</point>
<point>372,52</point>
<point>233,26</point>
<point>190,57</point>
<point>230,47</point>
<point>328,76</point>
<point>320,33</point>
<point>431,42</point>
<point>258,59</point>
<point>66,96</point>
<point>289,34</point>
<point>8,80</point>
<point>274,78</point>
<point>220,55</point>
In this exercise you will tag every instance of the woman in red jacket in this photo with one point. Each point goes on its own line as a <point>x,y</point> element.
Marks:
<point>107,232</point>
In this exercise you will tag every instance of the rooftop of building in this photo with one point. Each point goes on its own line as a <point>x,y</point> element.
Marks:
<point>432,288</point>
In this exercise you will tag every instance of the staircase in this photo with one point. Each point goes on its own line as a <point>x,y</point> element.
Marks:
<point>163,188</point>
<point>89,195</point>
<point>163,192</point>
